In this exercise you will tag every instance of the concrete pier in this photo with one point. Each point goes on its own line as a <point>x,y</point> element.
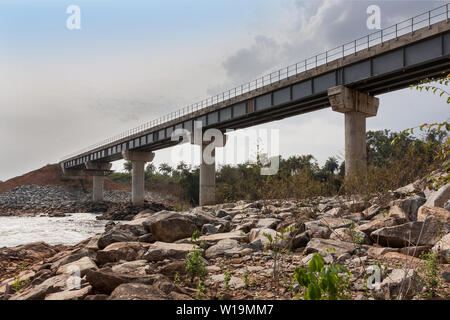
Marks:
<point>138,160</point>
<point>207,183</point>
<point>357,106</point>
<point>98,170</point>
<point>207,193</point>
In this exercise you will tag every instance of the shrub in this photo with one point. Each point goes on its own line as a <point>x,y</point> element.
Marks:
<point>322,282</point>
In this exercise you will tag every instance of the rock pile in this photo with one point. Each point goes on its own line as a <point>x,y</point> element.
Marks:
<point>145,258</point>
<point>54,200</point>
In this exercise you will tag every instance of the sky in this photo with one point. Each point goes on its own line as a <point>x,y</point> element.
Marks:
<point>134,61</point>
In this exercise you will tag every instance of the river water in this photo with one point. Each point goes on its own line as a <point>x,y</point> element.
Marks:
<point>67,230</point>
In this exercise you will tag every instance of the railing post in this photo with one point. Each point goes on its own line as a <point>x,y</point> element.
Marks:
<point>446,10</point>
<point>429,19</point>
<point>326,57</point>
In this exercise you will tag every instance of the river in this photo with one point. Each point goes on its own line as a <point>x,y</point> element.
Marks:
<point>67,230</point>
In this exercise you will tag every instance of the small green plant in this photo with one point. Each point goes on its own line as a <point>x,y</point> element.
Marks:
<point>226,278</point>
<point>200,290</point>
<point>430,273</point>
<point>278,246</point>
<point>22,266</point>
<point>246,280</point>
<point>195,265</point>
<point>18,283</point>
<point>176,279</point>
<point>322,282</point>
<point>356,237</point>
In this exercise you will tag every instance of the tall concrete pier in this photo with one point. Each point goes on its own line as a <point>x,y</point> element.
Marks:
<point>356,106</point>
<point>98,170</point>
<point>138,161</point>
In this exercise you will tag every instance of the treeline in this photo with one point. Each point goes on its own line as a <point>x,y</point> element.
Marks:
<point>389,166</point>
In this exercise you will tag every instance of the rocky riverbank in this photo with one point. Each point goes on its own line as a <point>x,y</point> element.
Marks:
<point>153,256</point>
<point>31,200</point>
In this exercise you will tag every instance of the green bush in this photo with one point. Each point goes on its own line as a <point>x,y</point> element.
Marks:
<point>322,282</point>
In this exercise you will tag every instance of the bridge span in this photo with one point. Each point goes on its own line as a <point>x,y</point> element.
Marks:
<point>346,78</point>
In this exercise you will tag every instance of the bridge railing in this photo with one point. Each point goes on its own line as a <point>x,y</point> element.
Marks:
<point>407,26</point>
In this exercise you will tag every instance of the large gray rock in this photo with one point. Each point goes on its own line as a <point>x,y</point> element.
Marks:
<point>51,285</point>
<point>269,223</point>
<point>334,247</point>
<point>121,233</point>
<point>439,198</point>
<point>118,251</point>
<point>442,248</point>
<point>105,280</point>
<point>80,266</point>
<point>137,267</point>
<point>348,235</point>
<point>136,291</point>
<point>410,206</point>
<point>441,214</point>
<point>79,294</point>
<point>387,221</point>
<point>162,250</point>
<point>169,226</point>
<point>400,284</point>
<point>416,233</point>
<point>223,247</point>
<point>335,223</point>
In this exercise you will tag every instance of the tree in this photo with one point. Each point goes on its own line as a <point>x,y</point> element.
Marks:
<point>165,169</point>
<point>128,166</point>
<point>150,169</point>
<point>331,165</point>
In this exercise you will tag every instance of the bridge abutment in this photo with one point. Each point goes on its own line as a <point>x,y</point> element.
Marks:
<point>138,161</point>
<point>98,170</point>
<point>357,106</point>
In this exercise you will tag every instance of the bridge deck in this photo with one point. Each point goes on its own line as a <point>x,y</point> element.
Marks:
<point>389,65</point>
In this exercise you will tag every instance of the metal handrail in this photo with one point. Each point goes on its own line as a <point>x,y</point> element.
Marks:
<point>287,72</point>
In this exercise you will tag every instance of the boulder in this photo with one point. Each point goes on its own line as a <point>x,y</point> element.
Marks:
<point>121,233</point>
<point>441,214</point>
<point>400,284</point>
<point>372,211</point>
<point>223,247</point>
<point>335,223</point>
<point>269,223</point>
<point>51,285</point>
<point>235,235</point>
<point>82,266</point>
<point>127,251</point>
<point>442,248</point>
<point>170,226</point>
<point>299,240</point>
<point>376,224</point>
<point>70,294</point>
<point>162,250</point>
<point>105,280</point>
<point>347,235</point>
<point>335,212</point>
<point>138,268</point>
<point>259,234</point>
<point>136,291</point>
<point>439,198</point>
<point>416,233</point>
<point>334,247</point>
<point>410,206</point>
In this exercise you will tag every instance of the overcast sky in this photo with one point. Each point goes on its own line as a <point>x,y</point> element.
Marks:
<point>133,61</point>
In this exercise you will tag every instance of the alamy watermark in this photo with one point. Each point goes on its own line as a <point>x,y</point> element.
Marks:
<point>240,147</point>
<point>73,22</point>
